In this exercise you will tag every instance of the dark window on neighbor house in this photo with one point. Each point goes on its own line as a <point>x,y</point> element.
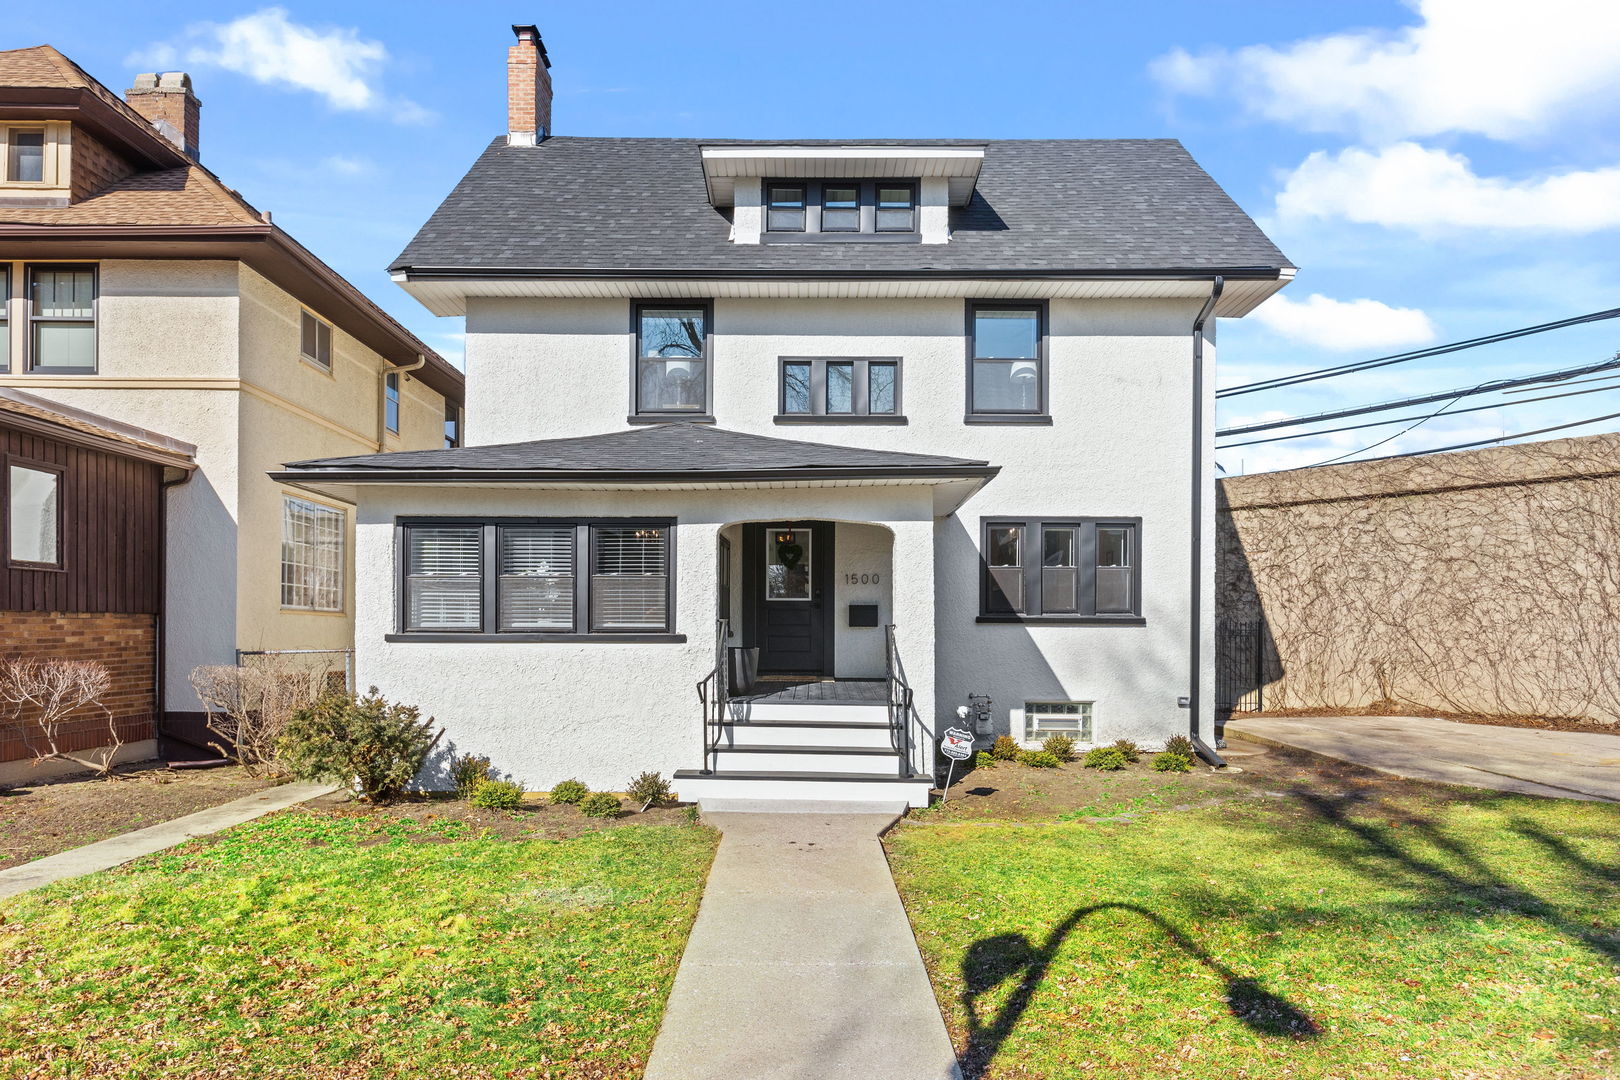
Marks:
<point>62,318</point>
<point>34,515</point>
<point>1006,360</point>
<point>834,388</point>
<point>25,156</point>
<point>785,207</point>
<point>391,401</point>
<point>315,341</point>
<point>811,209</point>
<point>672,360</point>
<point>1076,568</point>
<point>536,577</point>
<point>452,425</point>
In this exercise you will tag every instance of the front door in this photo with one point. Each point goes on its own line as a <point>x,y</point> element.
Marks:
<point>792,587</point>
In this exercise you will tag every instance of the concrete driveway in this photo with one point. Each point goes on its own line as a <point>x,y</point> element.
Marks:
<point>1559,764</point>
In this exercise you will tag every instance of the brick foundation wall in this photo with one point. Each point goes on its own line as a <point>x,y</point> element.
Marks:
<point>126,644</point>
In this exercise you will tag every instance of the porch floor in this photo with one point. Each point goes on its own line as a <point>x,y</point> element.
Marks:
<point>820,691</point>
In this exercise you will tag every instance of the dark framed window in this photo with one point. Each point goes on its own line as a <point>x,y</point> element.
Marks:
<point>785,207</point>
<point>672,372</point>
<point>1006,369</point>
<point>5,319</point>
<point>452,425</point>
<point>839,389</point>
<point>62,318</point>
<point>391,402</point>
<point>536,579</point>
<point>33,514</point>
<point>315,341</point>
<point>896,206</point>
<point>1060,570</point>
<point>840,207</point>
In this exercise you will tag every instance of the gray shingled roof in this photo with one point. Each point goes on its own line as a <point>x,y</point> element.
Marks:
<point>613,204</point>
<point>656,452</point>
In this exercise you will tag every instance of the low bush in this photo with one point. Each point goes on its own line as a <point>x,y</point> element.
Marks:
<point>497,795</point>
<point>983,759</point>
<point>1129,750</point>
<point>1005,748</point>
<point>1039,759</point>
<point>468,771</point>
<point>368,743</point>
<point>1170,761</point>
<point>649,789</point>
<point>599,804</point>
<point>568,793</point>
<point>1059,746</point>
<point>1180,744</point>
<point>1106,758</point>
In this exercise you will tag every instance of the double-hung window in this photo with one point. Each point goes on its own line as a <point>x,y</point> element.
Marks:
<point>391,402</point>
<point>536,579</point>
<point>311,555</point>
<point>839,389</point>
<point>1064,570</point>
<point>672,375</point>
<point>62,318</point>
<point>315,341</point>
<point>1006,363</point>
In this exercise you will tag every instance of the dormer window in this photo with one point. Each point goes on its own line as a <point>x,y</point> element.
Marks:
<point>25,156</point>
<point>799,211</point>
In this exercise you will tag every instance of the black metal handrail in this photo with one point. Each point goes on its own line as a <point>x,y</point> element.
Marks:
<point>900,696</point>
<point>714,694</point>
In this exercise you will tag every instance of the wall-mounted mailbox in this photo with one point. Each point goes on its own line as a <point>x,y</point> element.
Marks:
<point>863,614</point>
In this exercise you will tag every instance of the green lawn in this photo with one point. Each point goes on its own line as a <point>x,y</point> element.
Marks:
<point>311,945</point>
<point>1412,935</point>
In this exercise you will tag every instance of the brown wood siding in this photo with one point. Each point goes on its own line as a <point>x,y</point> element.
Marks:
<point>112,532</point>
<point>95,167</point>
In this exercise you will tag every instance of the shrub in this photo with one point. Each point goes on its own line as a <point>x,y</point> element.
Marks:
<point>1005,748</point>
<point>248,706</point>
<point>1059,746</point>
<point>468,771</point>
<point>600,804</point>
<point>1106,758</point>
<point>568,793</point>
<point>1170,761</point>
<point>497,795</point>
<point>1180,744</point>
<point>1129,750</point>
<point>1039,759</point>
<point>40,698</point>
<point>649,789</point>
<point>983,759</point>
<point>374,746</point>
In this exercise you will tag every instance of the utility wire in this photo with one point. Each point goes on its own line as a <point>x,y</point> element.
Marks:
<point>1391,438</point>
<point>1489,442</point>
<point>1425,399</point>
<point>1416,354</point>
<point>1403,419</point>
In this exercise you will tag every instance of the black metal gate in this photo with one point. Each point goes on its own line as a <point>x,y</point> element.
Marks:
<point>1240,665</point>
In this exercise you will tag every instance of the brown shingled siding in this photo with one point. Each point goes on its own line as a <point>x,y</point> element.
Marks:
<point>95,166</point>
<point>126,644</point>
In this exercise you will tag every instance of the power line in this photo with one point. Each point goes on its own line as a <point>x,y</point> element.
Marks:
<point>1391,438</point>
<point>1425,399</point>
<point>1403,419</point>
<point>1416,354</point>
<point>1489,442</point>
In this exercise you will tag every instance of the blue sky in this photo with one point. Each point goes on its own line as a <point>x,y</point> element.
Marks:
<point>1438,170</point>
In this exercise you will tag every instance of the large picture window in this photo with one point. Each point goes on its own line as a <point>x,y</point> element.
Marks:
<point>536,579</point>
<point>1064,570</point>
<point>34,515</point>
<point>1007,374</point>
<point>62,317</point>
<point>839,389</point>
<point>311,555</point>
<point>672,361</point>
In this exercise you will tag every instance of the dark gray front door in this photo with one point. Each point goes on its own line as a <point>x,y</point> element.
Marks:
<point>793,593</point>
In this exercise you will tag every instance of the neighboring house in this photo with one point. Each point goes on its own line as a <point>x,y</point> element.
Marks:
<point>137,286</point>
<point>83,547</point>
<point>818,389</point>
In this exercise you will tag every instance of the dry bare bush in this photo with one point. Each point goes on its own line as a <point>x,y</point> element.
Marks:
<point>41,698</point>
<point>1482,582</point>
<point>249,706</point>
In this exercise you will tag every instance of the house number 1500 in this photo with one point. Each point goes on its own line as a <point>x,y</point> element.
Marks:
<point>861,579</point>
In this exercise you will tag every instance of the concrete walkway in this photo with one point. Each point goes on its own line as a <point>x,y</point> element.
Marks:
<point>1530,761</point>
<point>106,854</point>
<point>802,965</point>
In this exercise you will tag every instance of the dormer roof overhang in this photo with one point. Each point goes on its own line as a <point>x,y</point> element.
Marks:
<point>724,164</point>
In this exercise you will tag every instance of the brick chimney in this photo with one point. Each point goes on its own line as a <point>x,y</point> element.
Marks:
<point>169,105</point>
<point>528,89</point>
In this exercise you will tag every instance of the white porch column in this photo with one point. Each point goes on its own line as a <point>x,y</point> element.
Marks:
<point>913,569</point>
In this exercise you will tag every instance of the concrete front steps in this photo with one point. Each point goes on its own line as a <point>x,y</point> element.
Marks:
<point>822,753</point>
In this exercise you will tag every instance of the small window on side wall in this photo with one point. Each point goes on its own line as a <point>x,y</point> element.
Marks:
<point>839,389</point>
<point>315,343</point>
<point>34,516</point>
<point>1071,718</point>
<point>391,402</point>
<point>1063,570</point>
<point>5,319</point>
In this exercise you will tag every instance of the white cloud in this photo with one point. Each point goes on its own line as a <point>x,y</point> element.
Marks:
<point>268,47</point>
<point>1410,186</point>
<point>348,165</point>
<point>1342,325</point>
<point>1498,68</point>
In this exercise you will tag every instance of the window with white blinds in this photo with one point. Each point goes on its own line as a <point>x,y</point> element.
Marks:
<point>536,577</point>
<point>629,578</point>
<point>444,580</point>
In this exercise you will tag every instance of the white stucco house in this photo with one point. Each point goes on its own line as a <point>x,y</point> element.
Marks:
<point>838,433</point>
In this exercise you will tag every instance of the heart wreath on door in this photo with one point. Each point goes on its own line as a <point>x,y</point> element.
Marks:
<point>789,554</point>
